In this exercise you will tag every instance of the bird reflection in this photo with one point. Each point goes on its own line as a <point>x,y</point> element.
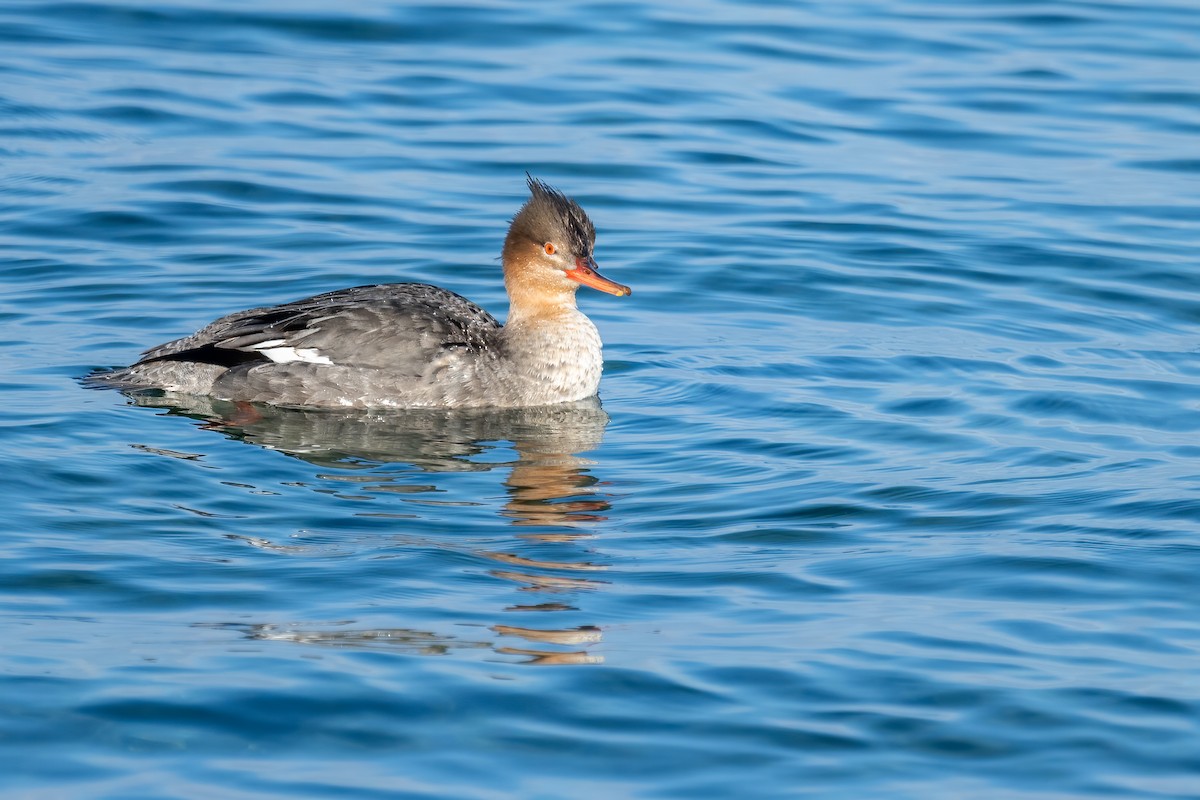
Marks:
<point>548,485</point>
<point>544,483</point>
<point>416,642</point>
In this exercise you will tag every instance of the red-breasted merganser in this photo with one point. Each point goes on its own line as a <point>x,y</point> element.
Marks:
<point>410,345</point>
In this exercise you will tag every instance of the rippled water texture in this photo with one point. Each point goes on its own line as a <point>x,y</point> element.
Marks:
<point>894,491</point>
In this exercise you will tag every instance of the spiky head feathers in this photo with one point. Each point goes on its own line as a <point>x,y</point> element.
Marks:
<point>550,216</point>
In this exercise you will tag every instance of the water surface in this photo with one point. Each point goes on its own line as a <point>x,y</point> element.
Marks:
<point>893,487</point>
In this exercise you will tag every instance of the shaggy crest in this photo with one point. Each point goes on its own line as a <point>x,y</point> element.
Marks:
<point>550,210</point>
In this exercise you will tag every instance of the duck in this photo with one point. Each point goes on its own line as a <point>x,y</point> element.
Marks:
<point>410,345</point>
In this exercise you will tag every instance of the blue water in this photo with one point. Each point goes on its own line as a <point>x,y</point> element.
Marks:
<point>895,489</point>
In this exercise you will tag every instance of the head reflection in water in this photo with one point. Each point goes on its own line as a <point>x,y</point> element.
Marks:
<point>550,492</point>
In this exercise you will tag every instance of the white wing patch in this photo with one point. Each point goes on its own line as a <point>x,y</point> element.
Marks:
<point>280,353</point>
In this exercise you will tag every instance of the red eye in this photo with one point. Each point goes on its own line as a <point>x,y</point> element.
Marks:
<point>550,248</point>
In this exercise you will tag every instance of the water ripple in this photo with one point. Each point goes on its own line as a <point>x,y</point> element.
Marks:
<point>892,493</point>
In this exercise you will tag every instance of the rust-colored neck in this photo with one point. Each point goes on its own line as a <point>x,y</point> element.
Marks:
<point>534,291</point>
